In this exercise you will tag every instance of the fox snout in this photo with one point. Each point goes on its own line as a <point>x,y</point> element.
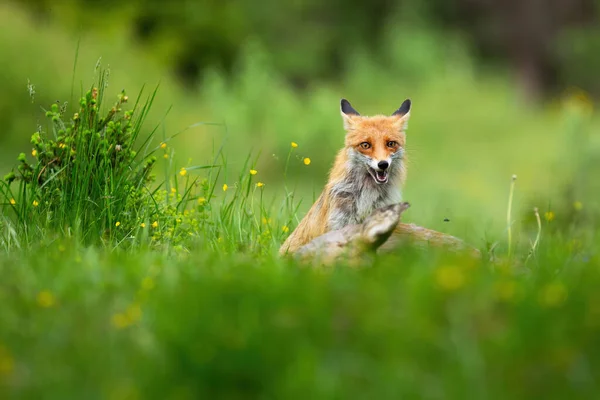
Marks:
<point>379,169</point>
<point>380,165</point>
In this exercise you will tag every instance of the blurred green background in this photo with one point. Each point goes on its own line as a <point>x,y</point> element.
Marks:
<point>498,88</point>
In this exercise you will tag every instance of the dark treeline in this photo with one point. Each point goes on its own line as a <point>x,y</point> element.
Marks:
<point>548,44</point>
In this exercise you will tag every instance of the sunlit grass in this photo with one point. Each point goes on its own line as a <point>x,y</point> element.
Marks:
<point>206,309</point>
<point>178,291</point>
<point>83,320</point>
<point>467,134</point>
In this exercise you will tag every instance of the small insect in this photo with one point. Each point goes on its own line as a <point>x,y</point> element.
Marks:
<point>446,220</point>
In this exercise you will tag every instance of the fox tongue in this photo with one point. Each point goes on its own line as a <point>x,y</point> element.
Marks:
<point>381,175</point>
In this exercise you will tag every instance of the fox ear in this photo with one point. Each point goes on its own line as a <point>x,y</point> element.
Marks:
<point>347,108</point>
<point>348,114</point>
<point>402,114</point>
<point>404,109</point>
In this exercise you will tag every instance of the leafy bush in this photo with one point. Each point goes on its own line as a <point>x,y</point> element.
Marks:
<point>92,177</point>
<point>86,176</point>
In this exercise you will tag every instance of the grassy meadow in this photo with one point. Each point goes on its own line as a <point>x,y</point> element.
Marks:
<point>141,221</point>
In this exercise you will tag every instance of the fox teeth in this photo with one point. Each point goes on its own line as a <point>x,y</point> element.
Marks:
<point>381,176</point>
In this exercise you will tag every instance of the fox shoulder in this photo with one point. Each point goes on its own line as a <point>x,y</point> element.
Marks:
<point>311,226</point>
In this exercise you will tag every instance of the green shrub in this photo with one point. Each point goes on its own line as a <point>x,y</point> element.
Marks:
<point>87,174</point>
<point>91,176</point>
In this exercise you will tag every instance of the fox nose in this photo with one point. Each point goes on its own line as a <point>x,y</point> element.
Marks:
<point>383,165</point>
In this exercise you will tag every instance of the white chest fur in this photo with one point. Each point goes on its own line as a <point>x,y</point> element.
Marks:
<point>356,197</point>
<point>371,198</point>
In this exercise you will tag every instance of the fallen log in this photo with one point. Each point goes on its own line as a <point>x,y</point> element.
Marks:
<point>381,232</point>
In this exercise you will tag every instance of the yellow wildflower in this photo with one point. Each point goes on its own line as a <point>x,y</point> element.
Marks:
<point>225,187</point>
<point>201,200</point>
<point>134,312</point>
<point>260,184</point>
<point>142,225</point>
<point>163,145</point>
<point>183,172</point>
<point>173,190</point>
<point>578,205</point>
<point>120,321</point>
<point>450,278</point>
<point>553,295</point>
<point>7,363</point>
<point>35,203</point>
<point>580,101</point>
<point>13,202</point>
<point>285,229</point>
<point>155,224</point>
<point>307,161</point>
<point>62,146</point>
<point>253,172</point>
<point>166,156</point>
<point>45,299</point>
<point>506,290</point>
<point>549,215</point>
<point>148,283</point>
<point>117,224</point>
<point>294,144</point>
<point>34,152</point>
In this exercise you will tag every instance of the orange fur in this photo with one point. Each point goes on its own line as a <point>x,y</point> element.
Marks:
<point>378,130</point>
<point>385,137</point>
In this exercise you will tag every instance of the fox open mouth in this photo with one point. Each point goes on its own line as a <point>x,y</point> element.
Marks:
<point>380,177</point>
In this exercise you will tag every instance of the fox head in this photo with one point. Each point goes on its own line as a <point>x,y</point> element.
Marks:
<point>376,143</point>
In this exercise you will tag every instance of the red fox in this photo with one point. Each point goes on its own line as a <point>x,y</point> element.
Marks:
<point>367,174</point>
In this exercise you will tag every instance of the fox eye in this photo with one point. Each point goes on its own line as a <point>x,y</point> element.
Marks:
<point>391,143</point>
<point>365,145</point>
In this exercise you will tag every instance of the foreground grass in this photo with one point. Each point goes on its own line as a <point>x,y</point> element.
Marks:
<point>83,323</point>
<point>117,286</point>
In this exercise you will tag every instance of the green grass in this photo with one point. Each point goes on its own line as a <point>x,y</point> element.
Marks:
<point>92,177</point>
<point>81,322</point>
<point>191,301</point>
<point>467,137</point>
<point>118,286</point>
